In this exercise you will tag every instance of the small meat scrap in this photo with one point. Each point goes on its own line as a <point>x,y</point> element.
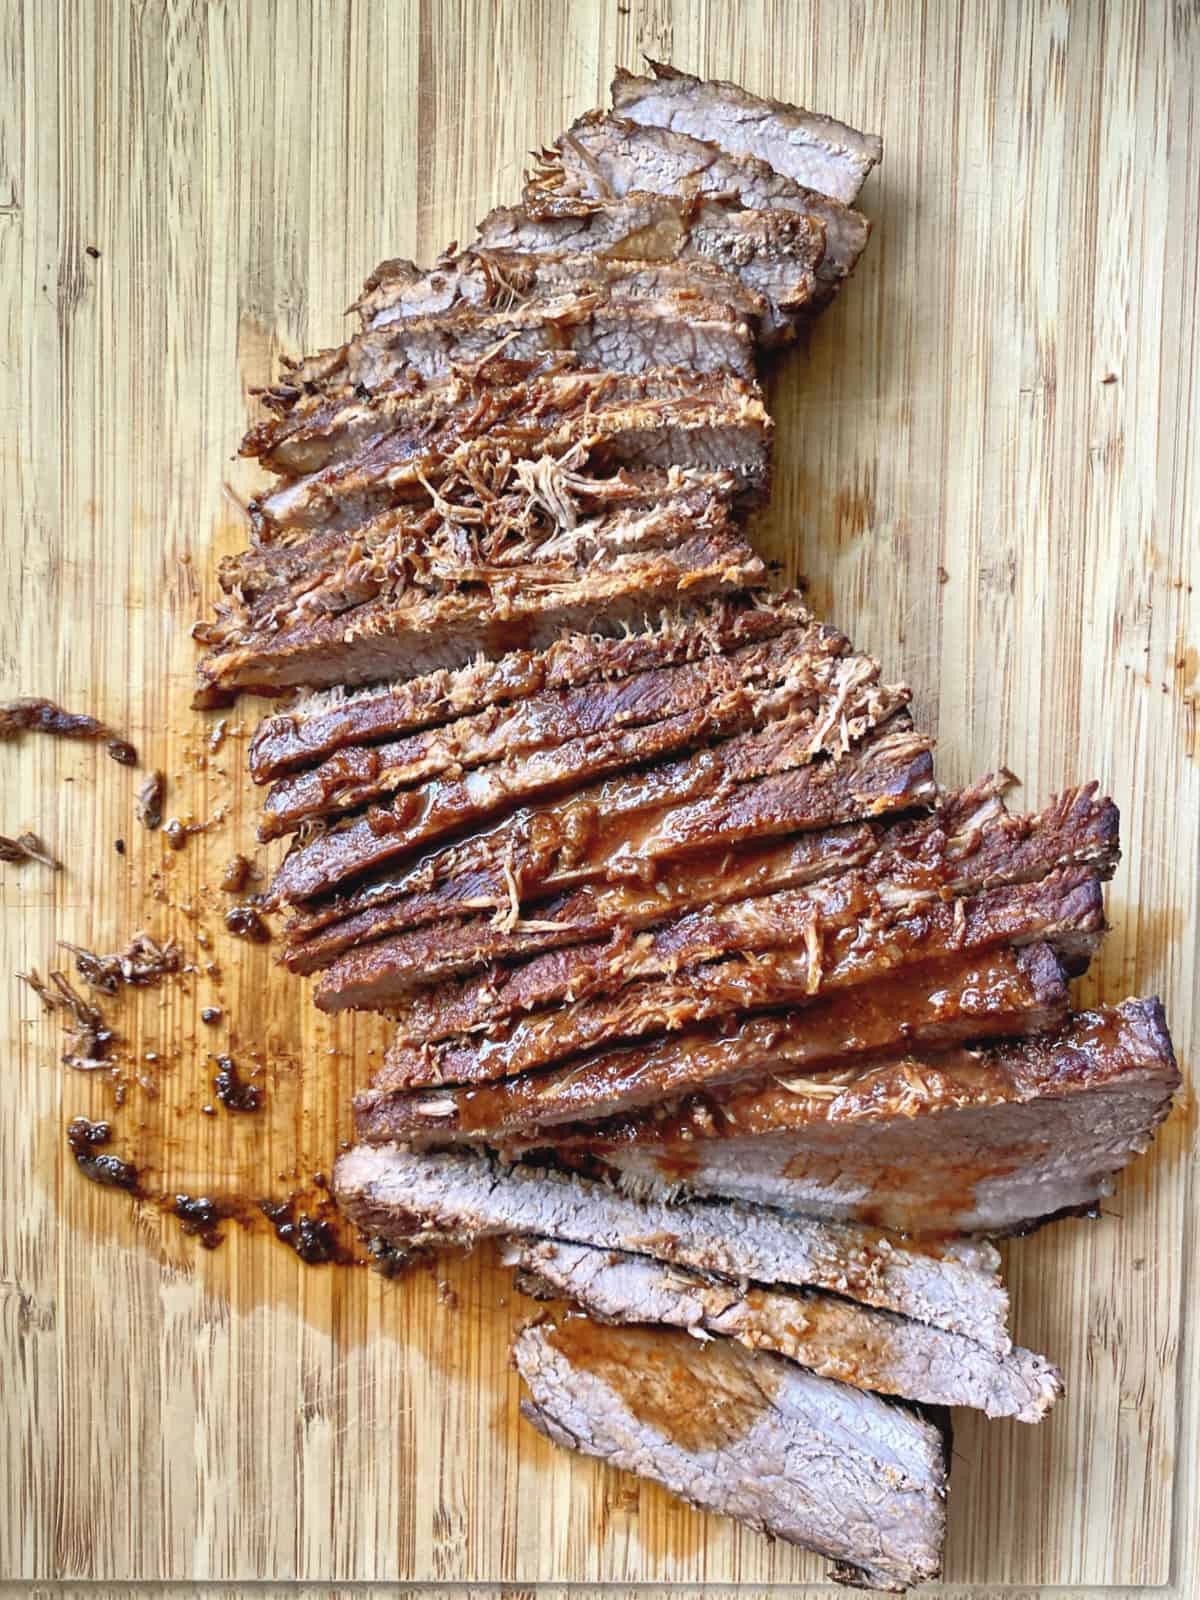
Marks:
<point>142,963</point>
<point>27,847</point>
<point>244,922</point>
<point>232,1090</point>
<point>88,1036</point>
<point>84,1138</point>
<point>237,874</point>
<point>33,714</point>
<point>148,805</point>
<point>176,834</point>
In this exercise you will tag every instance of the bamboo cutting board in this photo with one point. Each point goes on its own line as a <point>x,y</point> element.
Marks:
<point>988,471</point>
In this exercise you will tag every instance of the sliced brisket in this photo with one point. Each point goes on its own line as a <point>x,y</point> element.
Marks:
<point>834,1338</point>
<point>421,1201</point>
<point>971,843</point>
<point>814,150</point>
<point>311,731</point>
<point>775,254</point>
<point>410,632</point>
<point>375,454</point>
<point>1009,992</point>
<point>602,157</point>
<point>749,1435</point>
<point>777,949</point>
<point>357,775</point>
<point>978,1141</point>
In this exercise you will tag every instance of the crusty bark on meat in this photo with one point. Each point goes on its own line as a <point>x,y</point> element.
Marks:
<point>359,775</point>
<point>623,829</point>
<point>1005,992</point>
<point>985,1142</point>
<point>809,713</point>
<point>868,1349</point>
<point>418,1202</point>
<point>751,1436</point>
<point>374,454</point>
<point>414,631</point>
<point>312,730</point>
<point>814,150</point>
<point>604,157</point>
<point>972,842</point>
<point>775,254</point>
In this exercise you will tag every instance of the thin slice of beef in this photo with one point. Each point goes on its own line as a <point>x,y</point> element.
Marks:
<point>605,157</point>
<point>979,1141</point>
<point>774,254</point>
<point>417,1202</point>
<point>776,949</point>
<point>832,1337</point>
<point>331,720</point>
<point>538,523</point>
<point>814,150</point>
<point>358,775</point>
<point>686,328</point>
<point>970,843</point>
<point>1009,992</point>
<point>489,280</point>
<point>751,1436</point>
<point>617,829</point>
<point>808,708</point>
<point>415,632</point>
<point>375,454</point>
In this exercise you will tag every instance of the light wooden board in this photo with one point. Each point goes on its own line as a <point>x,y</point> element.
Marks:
<point>968,496</point>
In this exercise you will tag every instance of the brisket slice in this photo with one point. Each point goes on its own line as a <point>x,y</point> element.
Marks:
<point>1008,992</point>
<point>774,254</point>
<point>487,279</point>
<point>422,1201</point>
<point>358,775</point>
<point>776,949</point>
<point>378,455</point>
<point>311,731</point>
<point>600,328</point>
<point>602,157</point>
<point>798,720</point>
<point>970,843</point>
<point>979,1141</point>
<point>617,829</point>
<point>832,1337</point>
<point>538,522</point>
<point>817,151</point>
<point>751,1436</point>
<point>416,632</point>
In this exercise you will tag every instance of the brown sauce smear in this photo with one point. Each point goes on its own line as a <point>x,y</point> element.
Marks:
<point>693,1399</point>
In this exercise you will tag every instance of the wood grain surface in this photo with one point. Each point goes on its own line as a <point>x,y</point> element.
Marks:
<point>987,469</point>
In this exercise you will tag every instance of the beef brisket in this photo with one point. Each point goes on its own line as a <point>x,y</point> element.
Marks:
<point>412,631</point>
<point>987,1142</point>
<point>375,455</point>
<point>777,949</point>
<point>415,1202</point>
<point>602,157</point>
<point>774,254</point>
<point>328,721</point>
<point>814,150</point>
<point>1009,992</point>
<point>666,326</point>
<point>971,843</point>
<point>357,775</point>
<point>752,1436</point>
<point>834,1338</point>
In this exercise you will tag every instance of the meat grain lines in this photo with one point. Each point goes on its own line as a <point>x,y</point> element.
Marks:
<point>709,1003</point>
